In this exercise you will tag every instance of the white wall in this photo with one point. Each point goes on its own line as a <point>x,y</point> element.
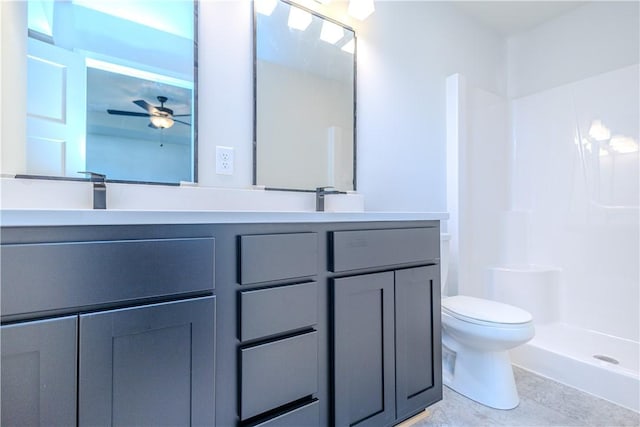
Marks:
<point>597,37</point>
<point>225,90</point>
<point>406,50</point>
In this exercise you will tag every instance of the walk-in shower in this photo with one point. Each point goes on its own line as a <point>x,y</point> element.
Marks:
<point>562,240</point>
<point>576,174</point>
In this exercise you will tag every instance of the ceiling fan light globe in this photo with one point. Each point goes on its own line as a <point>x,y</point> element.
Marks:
<point>162,122</point>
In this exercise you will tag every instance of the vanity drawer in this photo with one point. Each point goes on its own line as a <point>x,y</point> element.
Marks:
<point>352,250</point>
<point>304,416</point>
<point>271,311</point>
<point>277,373</point>
<point>269,257</point>
<point>41,277</point>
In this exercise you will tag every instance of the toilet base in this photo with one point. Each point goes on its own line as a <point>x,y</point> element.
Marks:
<point>486,377</point>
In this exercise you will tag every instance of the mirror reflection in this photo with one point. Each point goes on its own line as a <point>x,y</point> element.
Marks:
<point>111,89</point>
<point>304,95</point>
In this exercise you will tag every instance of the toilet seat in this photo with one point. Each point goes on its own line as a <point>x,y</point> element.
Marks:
<point>485,312</point>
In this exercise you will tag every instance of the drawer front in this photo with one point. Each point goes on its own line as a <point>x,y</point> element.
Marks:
<point>54,276</point>
<point>352,250</point>
<point>272,311</point>
<point>304,416</point>
<point>277,373</point>
<point>268,257</point>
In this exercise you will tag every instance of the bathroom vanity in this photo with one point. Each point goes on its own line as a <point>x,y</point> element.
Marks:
<point>214,318</point>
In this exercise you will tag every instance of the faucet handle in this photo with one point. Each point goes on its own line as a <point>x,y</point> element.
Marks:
<point>331,190</point>
<point>321,192</point>
<point>94,176</point>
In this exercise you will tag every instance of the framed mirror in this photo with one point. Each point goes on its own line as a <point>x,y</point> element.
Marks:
<point>304,87</point>
<point>112,88</point>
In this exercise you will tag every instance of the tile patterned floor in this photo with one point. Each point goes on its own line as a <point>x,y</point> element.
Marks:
<point>543,402</point>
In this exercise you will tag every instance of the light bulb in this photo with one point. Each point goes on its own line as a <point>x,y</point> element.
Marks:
<point>162,122</point>
<point>350,46</point>
<point>299,19</point>
<point>331,32</point>
<point>265,7</point>
<point>361,9</point>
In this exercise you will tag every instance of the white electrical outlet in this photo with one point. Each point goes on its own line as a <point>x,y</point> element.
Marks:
<point>224,160</point>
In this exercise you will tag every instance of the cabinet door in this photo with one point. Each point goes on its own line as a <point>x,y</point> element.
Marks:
<point>150,365</point>
<point>364,350</point>
<point>418,359</point>
<point>39,373</point>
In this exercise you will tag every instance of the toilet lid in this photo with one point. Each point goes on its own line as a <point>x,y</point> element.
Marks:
<point>485,310</point>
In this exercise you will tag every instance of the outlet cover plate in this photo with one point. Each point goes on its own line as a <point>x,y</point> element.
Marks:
<point>224,160</point>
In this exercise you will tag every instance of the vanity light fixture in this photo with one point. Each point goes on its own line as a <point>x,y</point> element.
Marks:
<point>161,121</point>
<point>361,9</point>
<point>331,32</point>
<point>350,46</point>
<point>299,19</point>
<point>265,7</point>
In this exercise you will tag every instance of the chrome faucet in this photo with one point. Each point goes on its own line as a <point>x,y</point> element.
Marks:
<point>320,193</point>
<point>99,189</point>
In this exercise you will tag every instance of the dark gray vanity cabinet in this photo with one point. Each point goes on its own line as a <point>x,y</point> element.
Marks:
<point>309,323</point>
<point>39,373</point>
<point>107,326</point>
<point>386,327</point>
<point>149,365</point>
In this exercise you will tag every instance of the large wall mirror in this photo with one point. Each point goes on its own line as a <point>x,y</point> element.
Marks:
<point>112,89</point>
<point>304,99</point>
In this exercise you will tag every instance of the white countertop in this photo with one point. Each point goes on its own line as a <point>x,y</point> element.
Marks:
<point>42,217</point>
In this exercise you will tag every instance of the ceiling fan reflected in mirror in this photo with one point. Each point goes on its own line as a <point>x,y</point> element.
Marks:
<point>160,117</point>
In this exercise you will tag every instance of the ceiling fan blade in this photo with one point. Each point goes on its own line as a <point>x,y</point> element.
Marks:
<point>127,113</point>
<point>146,106</point>
<point>180,121</point>
<point>181,115</point>
<point>152,126</point>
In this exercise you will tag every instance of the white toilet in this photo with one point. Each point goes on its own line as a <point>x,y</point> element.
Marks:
<point>476,336</point>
